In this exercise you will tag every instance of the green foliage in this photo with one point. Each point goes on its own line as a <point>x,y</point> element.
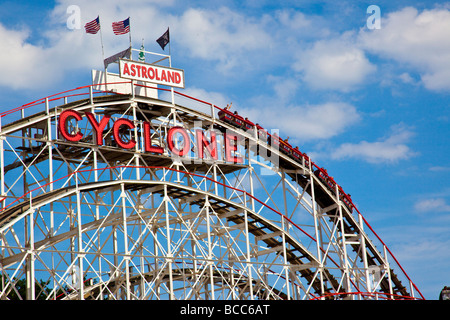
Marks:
<point>42,291</point>
<point>19,290</point>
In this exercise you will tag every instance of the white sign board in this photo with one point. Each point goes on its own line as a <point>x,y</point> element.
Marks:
<point>103,81</point>
<point>139,71</point>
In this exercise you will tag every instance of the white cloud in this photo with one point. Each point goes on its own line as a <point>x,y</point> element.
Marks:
<point>285,88</point>
<point>221,34</point>
<point>440,169</point>
<point>406,78</point>
<point>421,248</point>
<point>320,121</point>
<point>211,97</point>
<point>294,20</point>
<point>416,39</point>
<point>234,41</point>
<point>434,204</point>
<point>36,61</point>
<point>30,61</point>
<point>389,149</point>
<point>22,64</point>
<point>336,64</point>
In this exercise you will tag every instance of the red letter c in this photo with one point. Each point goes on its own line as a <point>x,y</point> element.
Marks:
<point>126,145</point>
<point>62,125</point>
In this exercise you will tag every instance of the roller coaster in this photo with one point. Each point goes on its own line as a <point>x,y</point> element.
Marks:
<point>143,192</point>
<point>282,144</point>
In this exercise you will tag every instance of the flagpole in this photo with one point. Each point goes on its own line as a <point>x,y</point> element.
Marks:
<point>101,41</point>
<point>169,46</point>
<point>129,34</point>
<point>103,55</point>
<point>162,41</point>
<point>170,65</point>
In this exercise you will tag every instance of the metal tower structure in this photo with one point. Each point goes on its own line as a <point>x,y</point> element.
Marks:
<point>141,192</point>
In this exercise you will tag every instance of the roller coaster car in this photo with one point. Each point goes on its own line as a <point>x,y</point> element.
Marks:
<point>285,147</point>
<point>262,133</point>
<point>273,140</point>
<point>345,198</point>
<point>276,142</point>
<point>234,119</point>
<point>325,179</point>
<point>226,116</point>
<point>296,154</point>
<point>331,185</point>
<point>248,125</point>
<point>306,159</point>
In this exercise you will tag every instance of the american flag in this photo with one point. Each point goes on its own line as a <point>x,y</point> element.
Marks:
<point>93,26</point>
<point>121,27</point>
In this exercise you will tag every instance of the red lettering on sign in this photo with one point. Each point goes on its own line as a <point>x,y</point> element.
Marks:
<point>62,125</point>
<point>116,132</point>
<point>156,75</point>
<point>177,77</point>
<point>144,72</point>
<point>163,75</point>
<point>177,139</point>
<point>170,76</point>
<point>202,142</point>
<point>186,141</point>
<point>138,70</point>
<point>98,127</point>
<point>125,69</point>
<point>151,73</point>
<point>148,140</point>
<point>133,70</point>
<point>231,141</point>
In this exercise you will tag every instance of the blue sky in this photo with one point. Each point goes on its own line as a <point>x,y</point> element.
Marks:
<point>370,105</point>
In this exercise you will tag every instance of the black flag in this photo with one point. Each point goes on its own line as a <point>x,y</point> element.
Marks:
<point>164,39</point>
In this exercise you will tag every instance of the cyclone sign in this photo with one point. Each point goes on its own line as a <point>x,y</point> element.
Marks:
<point>139,71</point>
<point>174,134</point>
